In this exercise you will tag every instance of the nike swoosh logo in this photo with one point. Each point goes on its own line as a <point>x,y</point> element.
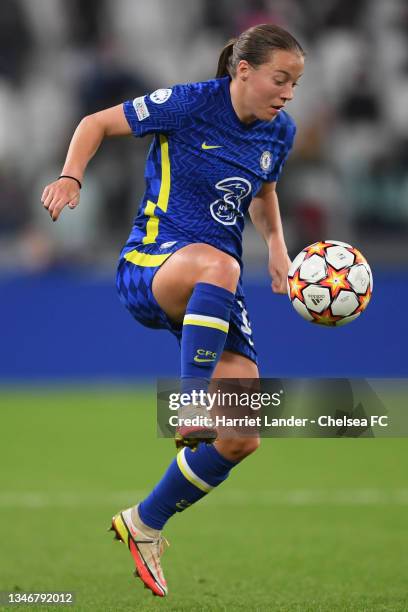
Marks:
<point>206,146</point>
<point>202,360</point>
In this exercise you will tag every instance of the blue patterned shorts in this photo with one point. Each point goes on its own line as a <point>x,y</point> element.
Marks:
<point>134,284</point>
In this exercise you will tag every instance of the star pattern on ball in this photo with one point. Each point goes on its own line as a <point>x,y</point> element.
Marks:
<point>336,280</point>
<point>325,318</point>
<point>317,248</point>
<point>296,285</point>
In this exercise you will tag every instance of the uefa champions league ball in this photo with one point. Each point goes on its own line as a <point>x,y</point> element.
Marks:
<point>330,283</point>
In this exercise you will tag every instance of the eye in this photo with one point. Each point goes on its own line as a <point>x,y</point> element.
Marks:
<point>279,82</point>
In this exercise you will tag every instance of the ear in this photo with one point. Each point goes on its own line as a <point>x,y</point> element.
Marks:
<point>242,71</point>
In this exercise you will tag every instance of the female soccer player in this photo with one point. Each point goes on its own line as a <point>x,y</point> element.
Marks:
<point>218,149</point>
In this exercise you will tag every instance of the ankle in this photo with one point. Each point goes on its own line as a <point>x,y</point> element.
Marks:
<point>137,521</point>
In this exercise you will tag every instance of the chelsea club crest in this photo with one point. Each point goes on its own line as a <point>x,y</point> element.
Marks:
<point>265,161</point>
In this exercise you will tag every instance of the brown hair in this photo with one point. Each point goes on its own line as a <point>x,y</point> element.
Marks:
<point>254,46</point>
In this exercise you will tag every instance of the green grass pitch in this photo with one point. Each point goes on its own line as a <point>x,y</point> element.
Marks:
<point>302,525</point>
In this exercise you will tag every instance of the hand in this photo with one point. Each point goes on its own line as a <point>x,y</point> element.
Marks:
<point>279,264</point>
<point>60,193</point>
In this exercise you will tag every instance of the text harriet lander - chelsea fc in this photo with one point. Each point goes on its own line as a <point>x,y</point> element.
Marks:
<point>267,421</point>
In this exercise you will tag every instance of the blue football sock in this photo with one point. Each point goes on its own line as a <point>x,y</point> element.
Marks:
<point>189,477</point>
<point>205,329</point>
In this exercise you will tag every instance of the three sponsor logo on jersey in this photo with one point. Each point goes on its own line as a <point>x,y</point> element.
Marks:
<point>227,210</point>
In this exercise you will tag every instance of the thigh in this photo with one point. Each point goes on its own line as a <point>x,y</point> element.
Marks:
<point>174,282</point>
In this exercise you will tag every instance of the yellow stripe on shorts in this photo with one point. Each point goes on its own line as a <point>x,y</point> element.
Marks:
<point>145,259</point>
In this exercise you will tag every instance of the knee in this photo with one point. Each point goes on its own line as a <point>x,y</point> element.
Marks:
<point>236,449</point>
<point>221,269</point>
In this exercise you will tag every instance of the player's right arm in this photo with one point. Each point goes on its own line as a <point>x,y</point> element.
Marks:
<point>84,144</point>
<point>164,111</point>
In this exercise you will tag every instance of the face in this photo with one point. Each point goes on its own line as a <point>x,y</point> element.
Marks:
<point>267,88</point>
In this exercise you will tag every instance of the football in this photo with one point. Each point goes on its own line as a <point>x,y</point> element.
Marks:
<point>330,283</point>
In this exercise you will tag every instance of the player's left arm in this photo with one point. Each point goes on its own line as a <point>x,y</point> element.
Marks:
<point>265,215</point>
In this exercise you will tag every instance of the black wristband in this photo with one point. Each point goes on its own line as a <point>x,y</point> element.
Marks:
<point>71,177</point>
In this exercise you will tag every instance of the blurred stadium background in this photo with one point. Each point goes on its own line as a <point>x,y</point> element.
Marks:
<point>334,512</point>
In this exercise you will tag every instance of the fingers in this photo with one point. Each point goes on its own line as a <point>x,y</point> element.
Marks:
<point>279,287</point>
<point>58,195</point>
<point>48,198</point>
<point>74,202</point>
<point>45,194</point>
<point>56,209</point>
<point>279,272</point>
<point>279,283</point>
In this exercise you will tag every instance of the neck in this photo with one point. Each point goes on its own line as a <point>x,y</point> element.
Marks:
<point>238,102</point>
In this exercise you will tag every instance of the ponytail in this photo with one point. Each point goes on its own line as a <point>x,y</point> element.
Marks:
<point>224,62</point>
<point>255,46</point>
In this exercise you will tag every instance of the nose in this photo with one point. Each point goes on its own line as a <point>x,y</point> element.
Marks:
<point>288,93</point>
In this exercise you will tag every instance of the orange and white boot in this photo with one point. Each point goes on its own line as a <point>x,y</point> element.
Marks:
<point>146,546</point>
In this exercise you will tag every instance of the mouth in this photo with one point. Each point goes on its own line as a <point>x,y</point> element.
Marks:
<point>274,110</point>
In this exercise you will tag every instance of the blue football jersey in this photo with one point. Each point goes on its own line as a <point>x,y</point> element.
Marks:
<point>204,165</point>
